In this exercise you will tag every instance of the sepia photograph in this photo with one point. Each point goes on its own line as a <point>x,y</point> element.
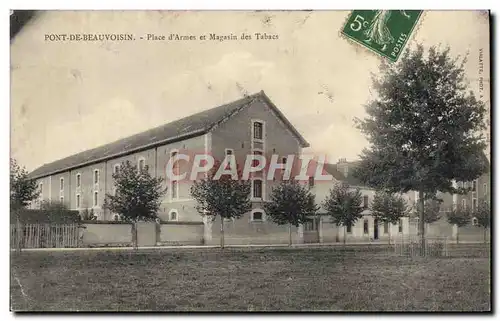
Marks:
<point>250,161</point>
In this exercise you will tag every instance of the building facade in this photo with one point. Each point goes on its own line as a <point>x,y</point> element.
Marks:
<point>248,126</point>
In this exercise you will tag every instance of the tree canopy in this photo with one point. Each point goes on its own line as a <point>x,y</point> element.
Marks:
<point>23,190</point>
<point>137,196</point>
<point>388,207</point>
<point>424,126</point>
<point>290,203</point>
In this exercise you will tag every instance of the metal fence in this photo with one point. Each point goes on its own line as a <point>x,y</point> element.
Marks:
<point>43,235</point>
<point>412,246</point>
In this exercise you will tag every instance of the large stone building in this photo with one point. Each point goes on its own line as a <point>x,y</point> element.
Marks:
<point>247,126</point>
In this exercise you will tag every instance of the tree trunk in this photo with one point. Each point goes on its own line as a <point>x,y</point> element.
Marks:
<point>421,221</point>
<point>290,234</point>
<point>221,232</point>
<point>389,230</point>
<point>457,232</point>
<point>484,235</point>
<point>345,233</point>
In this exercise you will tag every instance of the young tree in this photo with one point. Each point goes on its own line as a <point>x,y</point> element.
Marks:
<point>459,216</point>
<point>138,195</point>
<point>344,205</point>
<point>483,216</point>
<point>388,208</point>
<point>22,189</point>
<point>424,128</point>
<point>290,203</point>
<point>226,196</point>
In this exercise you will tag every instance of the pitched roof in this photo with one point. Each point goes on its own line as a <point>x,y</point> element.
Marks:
<point>191,126</point>
<point>350,179</point>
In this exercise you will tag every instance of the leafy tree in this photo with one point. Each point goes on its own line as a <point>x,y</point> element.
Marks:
<point>423,126</point>
<point>290,203</point>
<point>224,197</point>
<point>459,216</point>
<point>432,209</point>
<point>138,195</point>
<point>483,216</point>
<point>344,205</point>
<point>22,189</point>
<point>388,208</point>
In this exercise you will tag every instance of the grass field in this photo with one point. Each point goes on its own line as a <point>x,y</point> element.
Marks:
<point>325,279</point>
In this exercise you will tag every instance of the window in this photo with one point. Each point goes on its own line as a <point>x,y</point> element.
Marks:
<point>365,226</point>
<point>116,168</point>
<point>283,160</point>
<point>141,164</point>
<point>96,196</point>
<point>175,165</point>
<point>365,201</point>
<point>96,176</point>
<point>61,199</point>
<point>474,221</point>
<point>61,184</point>
<point>464,203</point>
<point>485,189</point>
<point>386,227</point>
<point>229,151</point>
<point>311,181</point>
<point>257,188</point>
<point>77,200</point>
<point>255,162</point>
<point>474,204</point>
<point>175,187</point>
<point>257,215</point>
<point>400,227</point>
<point>116,217</point>
<point>172,215</point>
<point>349,228</point>
<point>258,129</point>
<point>474,185</point>
<point>78,180</point>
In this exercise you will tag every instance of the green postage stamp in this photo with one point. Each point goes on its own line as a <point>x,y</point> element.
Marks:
<point>383,31</point>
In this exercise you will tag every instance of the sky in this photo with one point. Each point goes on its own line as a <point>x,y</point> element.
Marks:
<point>67,97</point>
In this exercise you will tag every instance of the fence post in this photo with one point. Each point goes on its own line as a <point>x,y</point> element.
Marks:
<point>18,235</point>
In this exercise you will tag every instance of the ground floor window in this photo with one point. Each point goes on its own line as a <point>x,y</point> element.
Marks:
<point>386,227</point>
<point>257,215</point>
<point>400,227</point>
<point>365,226</point>
<point>349,228</point>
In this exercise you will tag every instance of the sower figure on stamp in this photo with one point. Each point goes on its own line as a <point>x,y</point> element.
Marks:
<point>378,31</point>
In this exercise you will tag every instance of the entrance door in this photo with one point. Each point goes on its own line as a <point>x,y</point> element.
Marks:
<point>311,231</point>
<point>375,229</point>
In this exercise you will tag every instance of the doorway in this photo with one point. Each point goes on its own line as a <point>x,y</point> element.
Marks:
<point>375,229</point>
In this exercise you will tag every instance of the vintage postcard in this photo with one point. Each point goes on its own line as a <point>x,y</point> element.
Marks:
<point>250,161</point>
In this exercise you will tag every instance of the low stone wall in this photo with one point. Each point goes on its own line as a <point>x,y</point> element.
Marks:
<point>180,233</point>
<point>244,231</point>
<point>107,234</point>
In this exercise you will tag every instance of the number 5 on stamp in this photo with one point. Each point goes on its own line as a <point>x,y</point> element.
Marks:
<point>383,31</point>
